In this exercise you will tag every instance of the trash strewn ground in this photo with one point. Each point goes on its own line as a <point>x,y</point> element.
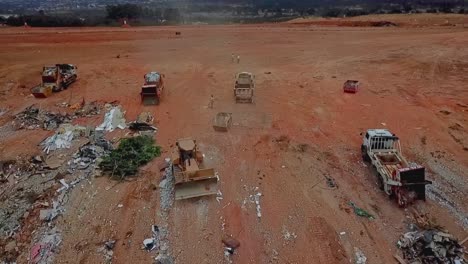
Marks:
<point>431,247</point>
<point>35,118</point>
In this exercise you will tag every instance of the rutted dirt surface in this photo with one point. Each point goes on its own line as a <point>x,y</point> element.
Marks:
<point>300,129</point>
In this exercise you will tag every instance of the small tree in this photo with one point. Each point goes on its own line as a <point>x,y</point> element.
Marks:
<point>129,156</point>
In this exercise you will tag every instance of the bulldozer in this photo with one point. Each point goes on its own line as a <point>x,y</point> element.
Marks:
<point>191,179</point>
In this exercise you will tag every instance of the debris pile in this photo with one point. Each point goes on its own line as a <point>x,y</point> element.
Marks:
<point>90,154</point>
<point>43,251</point>
<point>34,118</point>
<point>86,110</point>
<point>143,124</point>
<point>430,246</point>
<point>360,258</point>
<point>114,118</point>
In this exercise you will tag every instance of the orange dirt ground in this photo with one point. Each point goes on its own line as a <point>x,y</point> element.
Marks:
<point>301,128</point>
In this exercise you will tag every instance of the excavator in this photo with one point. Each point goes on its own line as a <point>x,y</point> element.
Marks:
<point>191,178</point>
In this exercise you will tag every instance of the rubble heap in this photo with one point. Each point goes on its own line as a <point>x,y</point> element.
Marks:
<point>430,246</point>
<point>33,118</point>
<point>90,154</point>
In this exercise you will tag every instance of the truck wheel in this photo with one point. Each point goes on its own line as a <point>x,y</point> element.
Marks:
<point>380,181</point>
<point>365,156</point>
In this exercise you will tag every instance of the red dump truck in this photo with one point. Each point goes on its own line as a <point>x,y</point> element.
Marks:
<point>396,176</point>
<point>152,89</point>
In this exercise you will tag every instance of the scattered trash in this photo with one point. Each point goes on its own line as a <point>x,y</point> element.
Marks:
<point>257,203</point>
<point>430,246</point>
<point>361,212</point>
<point>360,258</point>
<point>109,244</point>
<point>383,124</point>
<point>65,186</point>
<point>120,205</point>
<point>91,109</point>
<point>108,250</point>
<point>331,182</point>
<point>43,250</point>
<point>34,118</point>
<point>113,119</point>
<point>342,233</point>
<point>90,154</point>
<point>219,196</point>
<point>149,244</point>
<point>153,242</point>
<point>288,236</point>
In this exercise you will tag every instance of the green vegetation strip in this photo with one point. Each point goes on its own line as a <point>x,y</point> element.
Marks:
<point>131,154</point>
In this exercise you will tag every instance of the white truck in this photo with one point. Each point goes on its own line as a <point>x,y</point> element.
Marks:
<point>395,175</point>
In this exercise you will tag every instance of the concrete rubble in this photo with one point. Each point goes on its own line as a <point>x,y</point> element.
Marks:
<point>43,251</point>
<point>90,154</point>
<point>166,202</point>
<point>430,246</point>
<point>114,118</point>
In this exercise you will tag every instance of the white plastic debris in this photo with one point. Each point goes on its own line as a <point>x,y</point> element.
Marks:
<point>65,185</point>
<point>219,196</point>
<point>257,203</point>
<point>113,119</point>
<point>360,257</point>
<point>58,141</point>
<point>149,244</point>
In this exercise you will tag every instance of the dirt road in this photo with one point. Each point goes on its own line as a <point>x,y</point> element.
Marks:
<point>301,128</point>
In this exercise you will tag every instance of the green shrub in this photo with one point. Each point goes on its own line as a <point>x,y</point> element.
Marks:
<point>131,154</point>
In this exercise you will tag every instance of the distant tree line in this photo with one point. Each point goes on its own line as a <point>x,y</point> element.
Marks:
<point>254,12</point>
<point>137,13</point>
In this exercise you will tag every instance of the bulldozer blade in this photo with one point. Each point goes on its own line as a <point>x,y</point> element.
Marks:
<point>196,188</point>
<point>150,100</point>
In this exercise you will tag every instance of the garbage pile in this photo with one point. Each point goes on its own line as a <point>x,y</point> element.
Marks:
<point>17,168</point>
<point>34,118</point>
<point>86,110</point>
<point>430,246</point>
<point>90,154</point>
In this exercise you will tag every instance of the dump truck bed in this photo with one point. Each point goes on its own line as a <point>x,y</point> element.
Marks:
<point>391,162</point>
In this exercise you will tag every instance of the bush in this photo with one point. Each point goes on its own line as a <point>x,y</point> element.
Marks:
<point>129,156</point>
